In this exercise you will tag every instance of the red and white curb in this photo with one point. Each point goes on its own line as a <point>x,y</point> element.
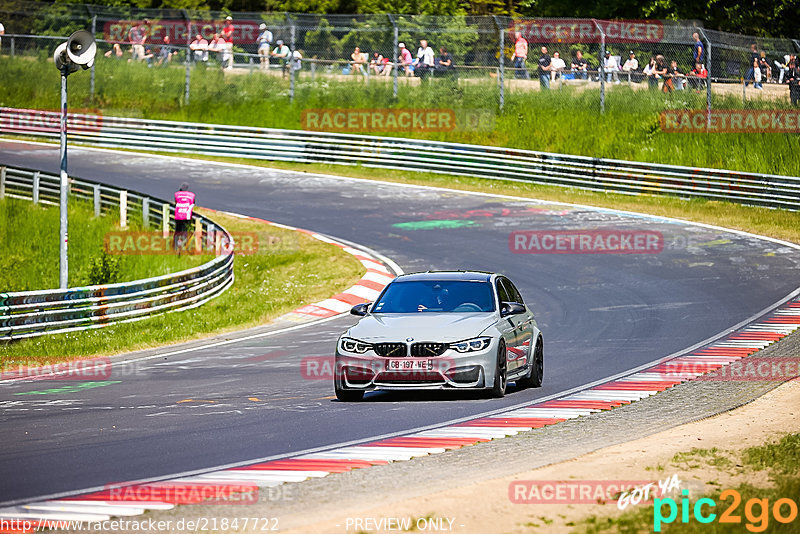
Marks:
<point>245,480</point>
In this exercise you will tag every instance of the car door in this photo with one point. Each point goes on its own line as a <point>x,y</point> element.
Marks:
<point>523,322</point>
<point>511,326</point>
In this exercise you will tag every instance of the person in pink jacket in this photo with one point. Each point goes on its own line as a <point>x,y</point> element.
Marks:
<point>184,204</point>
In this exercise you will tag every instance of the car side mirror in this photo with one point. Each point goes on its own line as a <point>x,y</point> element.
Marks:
<point>511,308</point>
<point>360,309</point>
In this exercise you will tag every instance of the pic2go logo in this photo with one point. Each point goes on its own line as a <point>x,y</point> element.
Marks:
<point>756,511</point>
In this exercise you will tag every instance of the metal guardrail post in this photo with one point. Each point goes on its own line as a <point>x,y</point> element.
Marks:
<point>188,82</point>
<point>210,231</point>
<point>123,209</point>
<point>145,213</point>
<point>395,52</point>
<point>198,234</point>
<point>708,77</point>
<point>2,182</point>
<point>96,199</point>
<point>36,184</point>
<point>600,67</point>
<point>165,220</point>
<point>501,72</point>
<point>290,59</point>
<point>744,92</point>
<point>12,47</point>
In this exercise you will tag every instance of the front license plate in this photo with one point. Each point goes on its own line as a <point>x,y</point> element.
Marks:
<point>409,365</point>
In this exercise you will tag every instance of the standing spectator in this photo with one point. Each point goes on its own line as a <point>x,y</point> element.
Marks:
<point>544,69</point>
<point>631,65</point>
<point>756,74</point>
<point>199,48</point>
<point>784,67</point>
<point>138,36</point>
<point>282,52</point>
<point>444,63</point>
<point>184,204</point>
<point>650,71</point>
<point>698,51</point>
<point>557,66</point>
<point>579,66</point>
<point>754,57</point>
<point>764,66</point>
<point>793,79</point>
<point>227,30</point>
<point>2,33</point>
<point>264,44</point>
<point>358,62</point>
<point>425,61</point>
<point>405,59</point>
<point>611,66</point>
<point>520,56</point>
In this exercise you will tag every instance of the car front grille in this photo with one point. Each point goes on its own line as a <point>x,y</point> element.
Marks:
<point>428,350</point>
<point>390,350</point>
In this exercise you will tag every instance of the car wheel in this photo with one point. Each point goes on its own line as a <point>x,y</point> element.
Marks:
<point>348,395</point>
<point>500,372</point>
<point>536,371</point>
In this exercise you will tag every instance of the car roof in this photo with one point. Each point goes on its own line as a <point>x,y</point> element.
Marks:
<point>465,276</point>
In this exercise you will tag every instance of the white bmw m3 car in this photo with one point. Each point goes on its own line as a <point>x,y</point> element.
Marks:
<point>441,330</point>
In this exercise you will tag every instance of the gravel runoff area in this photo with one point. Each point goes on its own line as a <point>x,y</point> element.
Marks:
<point>317,503</point>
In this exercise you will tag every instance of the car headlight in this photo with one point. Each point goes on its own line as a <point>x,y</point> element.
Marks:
<point>354,345</point>
<point>471,345</point>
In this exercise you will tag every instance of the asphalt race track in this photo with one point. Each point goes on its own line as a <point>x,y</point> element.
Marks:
<point>601,314</point>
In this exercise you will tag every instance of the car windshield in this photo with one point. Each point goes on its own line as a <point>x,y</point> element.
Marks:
<point>453,296</point>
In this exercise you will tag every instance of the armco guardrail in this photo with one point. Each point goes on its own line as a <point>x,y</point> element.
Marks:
<point>33,313</point>
<point>412,155</point>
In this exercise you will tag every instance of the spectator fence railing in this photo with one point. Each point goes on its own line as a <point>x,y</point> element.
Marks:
<point>25,314</point>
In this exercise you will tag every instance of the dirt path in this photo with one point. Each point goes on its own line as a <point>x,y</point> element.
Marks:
<point>486,507</point>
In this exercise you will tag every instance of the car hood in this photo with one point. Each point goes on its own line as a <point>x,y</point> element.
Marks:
<point>446,327</point>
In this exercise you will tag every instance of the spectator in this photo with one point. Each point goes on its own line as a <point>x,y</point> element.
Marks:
<point>611,66</point>
<point>376,63</point>
<point>425,61</point>
<point>227,30</point>
<point>793,79</point>
<point>358,62</point>
<point>661,74</point>
<point>756,74</point>
<point>764,66</point>
<point>698,51</point>
<point>199,48</point>
<point>544,69</point>
<point>557,66</point>
<point>166,52</point>
<point>217,46</point>
<point>387,67</point>
<point>697,77</point>
<point>754,57</point>
<point>115,52</point>
<point>520,56</point>
<point>405,59</point>
<point>297,60</point>
<point>651,71</point>
<point>264,44</point>
<point>579,66</point>
<point>2,33</point>
<point>282,52</point>
<point>784,67</point>
<point>184,204</point>
<point>631,66</point>
<point>444,63</point>
<point>676,77</point>
<point>138,36</point>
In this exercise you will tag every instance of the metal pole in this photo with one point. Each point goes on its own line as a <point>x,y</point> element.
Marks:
<point>708,77</point>
<point>501,71</point>
<point>291,58</point>
<point>91,79</point>
<point>794,41</point>
<point>396,50</point>
<point>600,68</point>
<point>188,56</point>
<point>63,229</point>
<point>36,185</point>
<point>12,47</point>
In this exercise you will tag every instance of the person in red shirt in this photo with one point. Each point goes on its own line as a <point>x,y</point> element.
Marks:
<point>520,56</point>
<point>227,30</point>
<point>184,204</point>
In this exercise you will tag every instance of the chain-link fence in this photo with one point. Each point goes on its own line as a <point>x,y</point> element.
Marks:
<point>368,61</point>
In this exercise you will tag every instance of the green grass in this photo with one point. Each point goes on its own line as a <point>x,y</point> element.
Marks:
<point>268,284</point>
<point>782,460</point>
<point>565,121</point>
<point>29,248</point>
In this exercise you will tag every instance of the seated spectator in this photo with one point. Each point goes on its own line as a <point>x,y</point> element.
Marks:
<point>376,63</point>
<point>425,61</point>
<point>444,63</point>
<point>358,62</point>
<point>297,60</point>
<point>199,48</point>
<point>282,52</point>
<point>697,76</point>
<point>557,66</point>
<point>661,74</point>
<point>650,72</point>
<point>784,67</point>
<point>631,66</point>
<point>115,52</point>
<point>579,66</point>
<point>166,52</point>
<point>611,66</point>
<point>405,60</point>
<point>217,46</point>
<point>387,67</point>
<point>676,77</point>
